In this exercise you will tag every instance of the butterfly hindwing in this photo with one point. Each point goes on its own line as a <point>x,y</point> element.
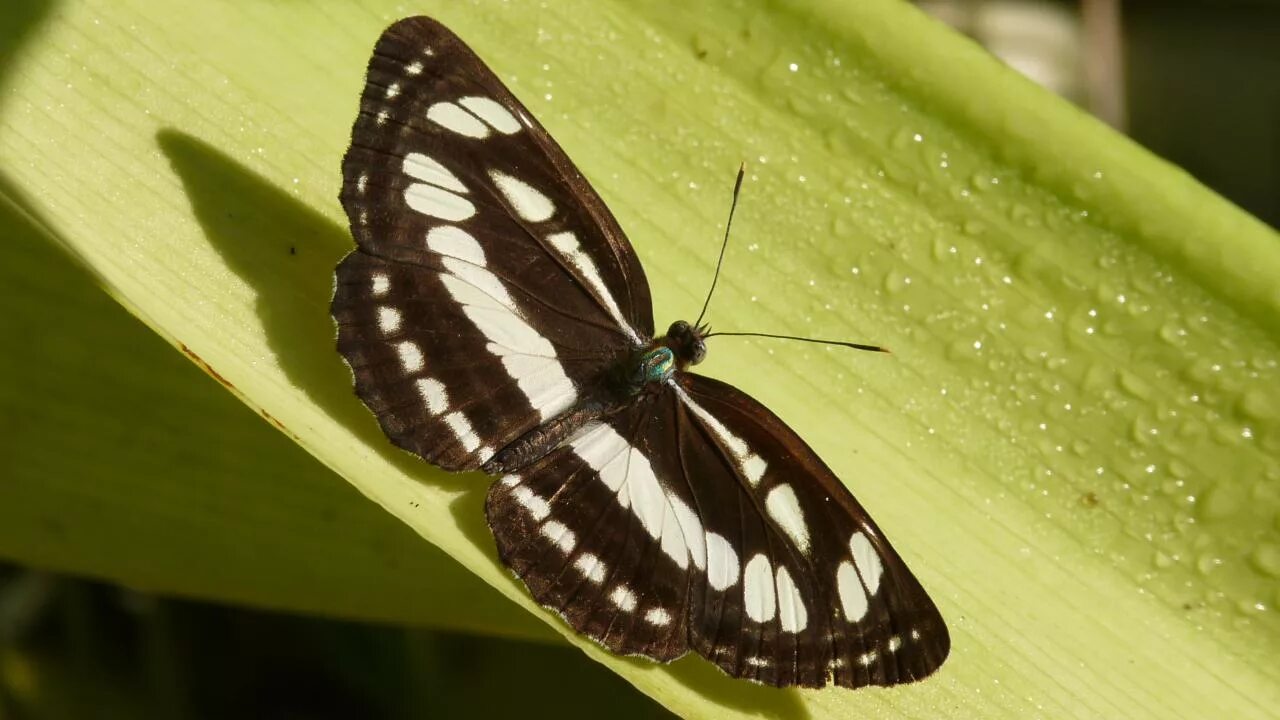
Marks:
<point>861,613</point>
<point>696,520</point>
<point>595,539</point>
<point>490,284</point>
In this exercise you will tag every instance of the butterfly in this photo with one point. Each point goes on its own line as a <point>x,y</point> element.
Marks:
<point>496,318</point>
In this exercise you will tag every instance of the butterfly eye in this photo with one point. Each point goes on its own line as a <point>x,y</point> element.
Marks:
<point>699,350</point>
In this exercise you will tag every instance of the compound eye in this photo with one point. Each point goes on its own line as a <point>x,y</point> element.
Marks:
<point>679,328</point>
<point>699,351</point>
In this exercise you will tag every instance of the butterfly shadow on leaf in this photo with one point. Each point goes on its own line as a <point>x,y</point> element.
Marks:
<point>740,696</point>
<point>286,252</point>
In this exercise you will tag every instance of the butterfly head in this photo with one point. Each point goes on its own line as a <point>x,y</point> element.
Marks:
<point>687,342</point>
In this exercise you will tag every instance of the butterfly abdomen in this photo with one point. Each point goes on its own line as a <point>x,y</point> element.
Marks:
<point>536,443</point>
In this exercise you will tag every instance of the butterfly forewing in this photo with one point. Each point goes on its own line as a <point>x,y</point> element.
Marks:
<point>490,284</point>
<point>492,297</point>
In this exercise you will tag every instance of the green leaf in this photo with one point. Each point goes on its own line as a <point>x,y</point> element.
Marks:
<point>122,461</point>
<point>1075,444</point>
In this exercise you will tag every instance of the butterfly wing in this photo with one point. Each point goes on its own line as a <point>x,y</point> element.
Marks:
<point>697,520</point>
<point>863,614</point>
<point>490,283</point>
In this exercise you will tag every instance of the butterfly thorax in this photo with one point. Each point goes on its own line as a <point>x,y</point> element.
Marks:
<point>656,365</point>
<point>682,346</point>
<point>645,371</point>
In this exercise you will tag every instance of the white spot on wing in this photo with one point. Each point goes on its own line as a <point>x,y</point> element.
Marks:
<point>381,284</point>
<point>591,567</point>
<point>437,202</point>
<point>461,427</point>
<point>537,507</point>
<point>566,243</point>
<point>388,320</point>
<point>791,611</point>
<point>867,560</point>
<point>784,507</point>
<point>410,356</point>
<point>413,68</point>
<point>722,562</point>
<point>430,171</point>
<point>853,599</point>
<point>493,113</point>
<point>751,465</point>
<point>433,394</point>
<point>455,242</point>
<point>451,117</point>
<point>393,90</point>
<point>689,525</point>
<point>475,286</point>
<point>623,598</point>
<point>560,535</point>
<point>657,616</point>
<point>757,589</point>
<point>528,203</point>
<point>528,358</point>
<point>628,474</point>
<point>757,661</point>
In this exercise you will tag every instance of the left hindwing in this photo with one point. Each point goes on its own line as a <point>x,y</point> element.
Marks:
<point>696,520</point>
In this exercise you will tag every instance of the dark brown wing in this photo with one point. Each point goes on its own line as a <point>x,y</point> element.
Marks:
<point>490,284</point>
<point>696,520</point>
<point>867,619</point>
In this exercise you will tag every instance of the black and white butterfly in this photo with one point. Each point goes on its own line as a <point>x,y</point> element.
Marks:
<point>497,319</point>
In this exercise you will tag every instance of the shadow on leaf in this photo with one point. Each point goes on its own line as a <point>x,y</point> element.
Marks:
<point>286,252</point>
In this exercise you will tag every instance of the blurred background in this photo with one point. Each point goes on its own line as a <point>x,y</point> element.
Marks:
<point>1196,82</point>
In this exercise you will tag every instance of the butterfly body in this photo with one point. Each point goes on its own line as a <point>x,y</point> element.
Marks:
<point>496,318</point>
<point>648,370</point>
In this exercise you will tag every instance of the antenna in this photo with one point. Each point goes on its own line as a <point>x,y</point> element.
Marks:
<point>841,343</point>
<point>737,186</point>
